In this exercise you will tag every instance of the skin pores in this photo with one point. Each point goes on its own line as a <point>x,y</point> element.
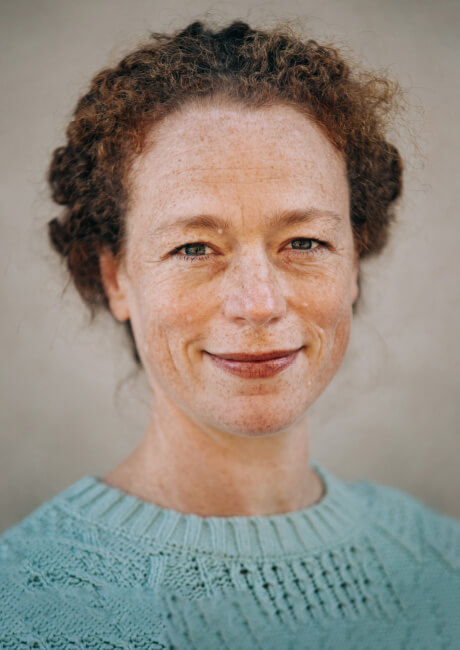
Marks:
<point>256,286</point>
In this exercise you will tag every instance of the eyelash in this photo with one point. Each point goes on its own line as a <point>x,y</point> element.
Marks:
<point>194,258</point>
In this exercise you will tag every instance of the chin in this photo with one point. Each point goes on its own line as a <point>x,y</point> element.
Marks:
<point>256,416</point>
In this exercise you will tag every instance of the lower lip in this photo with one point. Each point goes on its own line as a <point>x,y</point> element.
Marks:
<point>255,369</point>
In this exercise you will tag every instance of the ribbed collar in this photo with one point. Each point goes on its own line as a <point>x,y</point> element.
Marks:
<point>335,517</point>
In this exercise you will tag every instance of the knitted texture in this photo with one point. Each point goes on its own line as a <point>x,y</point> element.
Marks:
<point>367,567</point>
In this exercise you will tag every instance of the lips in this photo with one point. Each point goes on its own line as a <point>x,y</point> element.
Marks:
<point>255,356</point>
<point>257,369</point>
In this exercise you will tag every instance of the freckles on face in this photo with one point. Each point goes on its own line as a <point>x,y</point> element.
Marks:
<point>169,313</point>
<point>248,288</point>
<point>326,308</point>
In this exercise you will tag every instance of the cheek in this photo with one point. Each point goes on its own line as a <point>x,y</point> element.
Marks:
<point>169,310</point>
<point>179,304</point>
<point>325,300</point>
<point>328,317</point>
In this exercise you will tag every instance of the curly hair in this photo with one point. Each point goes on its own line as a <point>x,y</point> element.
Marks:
<point>254,67</point>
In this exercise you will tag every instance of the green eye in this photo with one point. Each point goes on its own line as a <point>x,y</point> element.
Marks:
<point>193,257</point>
<point>305,239</point>
<point>308,245</point>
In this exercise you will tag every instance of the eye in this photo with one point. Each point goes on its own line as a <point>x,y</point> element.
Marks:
<point>312,245</point>
<point>193,257</point>
<point>308,247</point>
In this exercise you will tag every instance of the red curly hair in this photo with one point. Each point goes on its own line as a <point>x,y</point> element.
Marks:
<point>255,67</point>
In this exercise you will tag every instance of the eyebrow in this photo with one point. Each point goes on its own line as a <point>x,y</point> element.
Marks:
<point>284,218</point>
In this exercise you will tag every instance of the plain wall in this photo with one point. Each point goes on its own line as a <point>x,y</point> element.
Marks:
<point>69,403</point>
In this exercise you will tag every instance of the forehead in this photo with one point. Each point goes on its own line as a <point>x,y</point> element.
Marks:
<point>206,154</point>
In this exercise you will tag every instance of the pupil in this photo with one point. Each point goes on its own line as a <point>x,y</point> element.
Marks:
<point>195,246</point>
<point>308,242</point>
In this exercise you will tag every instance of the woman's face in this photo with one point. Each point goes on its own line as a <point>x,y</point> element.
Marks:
<point>278,272</point>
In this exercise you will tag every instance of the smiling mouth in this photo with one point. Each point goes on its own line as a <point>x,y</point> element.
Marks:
<point>256,368</point>
<point>255,356</point>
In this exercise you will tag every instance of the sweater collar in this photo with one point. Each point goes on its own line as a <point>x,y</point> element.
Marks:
<point>331,520</point>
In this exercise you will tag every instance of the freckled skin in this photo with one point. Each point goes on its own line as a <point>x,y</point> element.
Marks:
<point>217,444</point>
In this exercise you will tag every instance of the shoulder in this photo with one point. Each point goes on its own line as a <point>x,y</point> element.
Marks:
<point>67,582</point>
<point>408,519</point>
<point>53,523</point>
<point>30,547</point>
<point>25,557</point>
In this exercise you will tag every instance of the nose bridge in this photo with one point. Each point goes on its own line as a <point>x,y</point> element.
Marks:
<point>254,292</point>
<point>255,265</point>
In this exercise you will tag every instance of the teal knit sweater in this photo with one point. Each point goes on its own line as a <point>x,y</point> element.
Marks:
<point>368,567</point>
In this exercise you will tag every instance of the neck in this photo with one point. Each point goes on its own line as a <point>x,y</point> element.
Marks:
<point>198,470</point>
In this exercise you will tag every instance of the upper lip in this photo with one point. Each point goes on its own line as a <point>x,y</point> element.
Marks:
<point>256,356</point>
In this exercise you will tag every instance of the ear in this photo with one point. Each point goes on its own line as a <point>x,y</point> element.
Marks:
<point>113,280</point>
<point>355,277</point>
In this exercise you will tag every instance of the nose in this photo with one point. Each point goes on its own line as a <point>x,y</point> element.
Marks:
<point>253,293</point>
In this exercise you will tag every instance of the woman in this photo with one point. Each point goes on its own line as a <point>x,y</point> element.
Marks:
<point>220,189</point>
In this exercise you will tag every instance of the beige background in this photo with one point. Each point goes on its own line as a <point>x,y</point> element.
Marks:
<point>69,405</point>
